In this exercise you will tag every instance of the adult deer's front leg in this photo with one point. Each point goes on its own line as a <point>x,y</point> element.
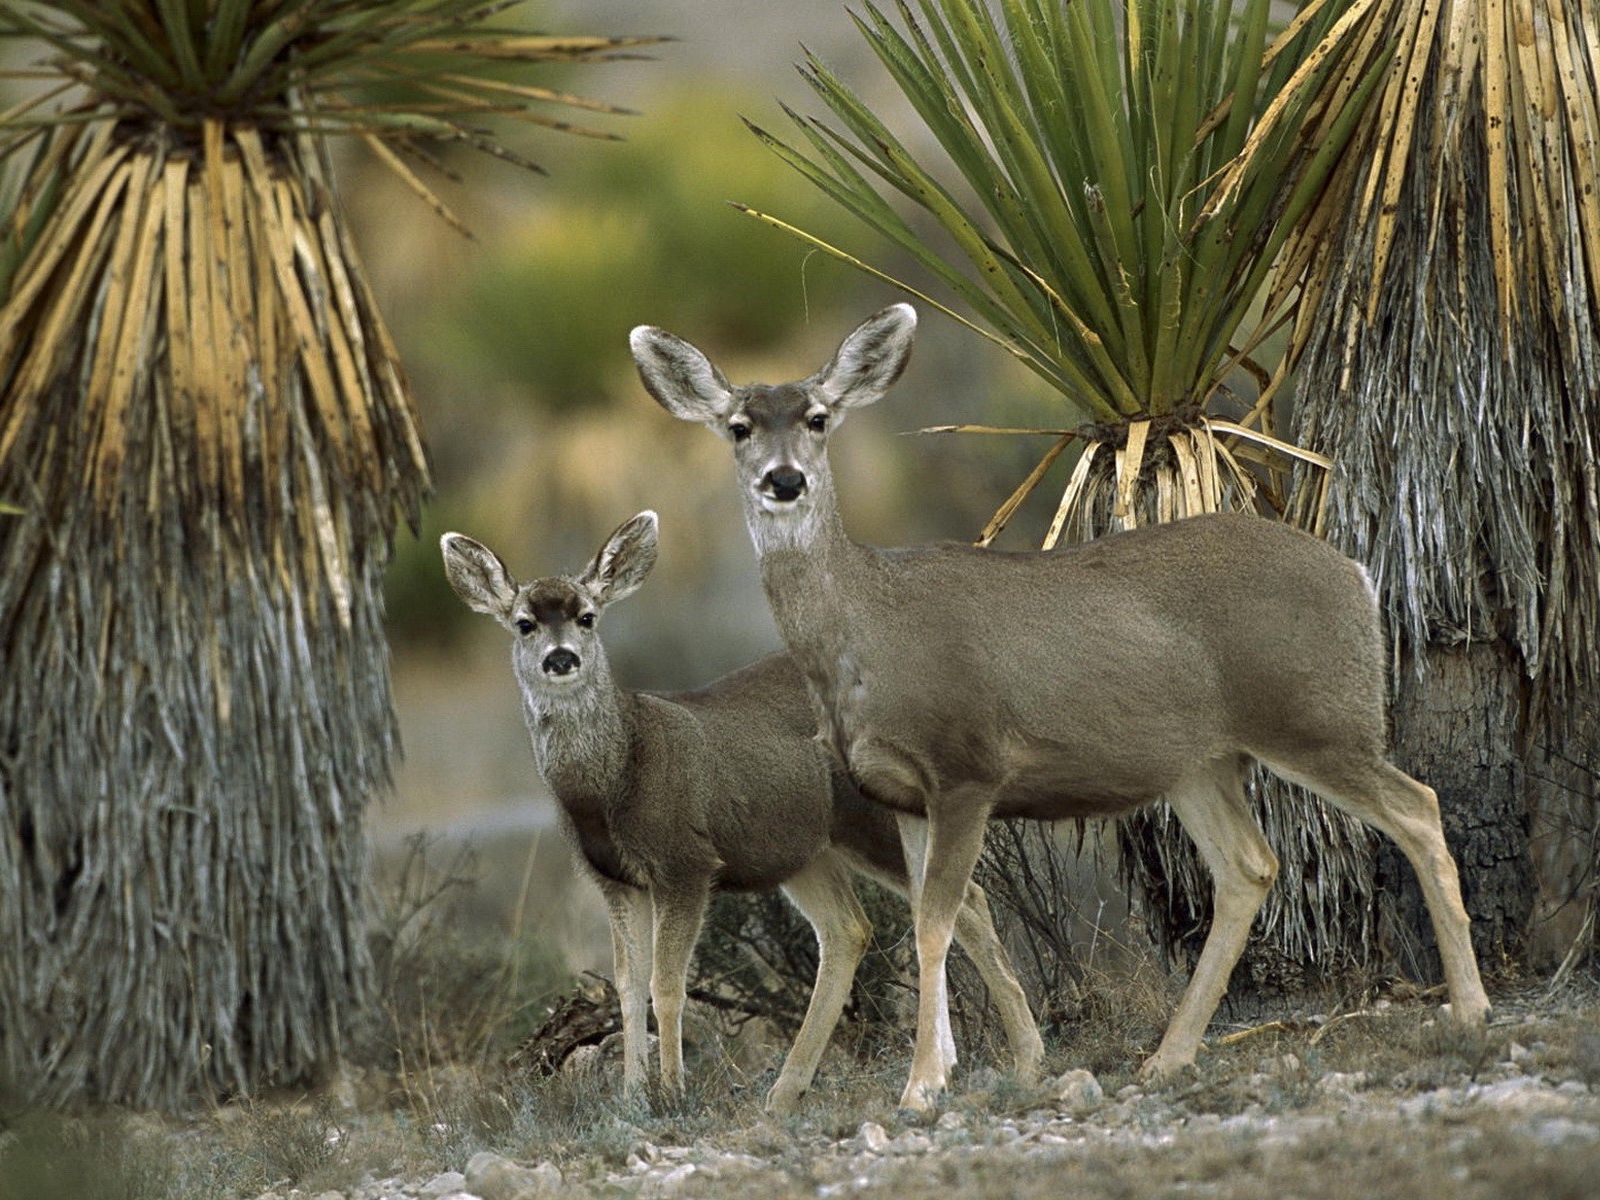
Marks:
<point>914,844</point>
<point>680,910</point>
<point>629,909</point>
<point>955,837</point>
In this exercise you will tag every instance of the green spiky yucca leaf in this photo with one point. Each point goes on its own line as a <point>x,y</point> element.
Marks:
<point>1077,197</point>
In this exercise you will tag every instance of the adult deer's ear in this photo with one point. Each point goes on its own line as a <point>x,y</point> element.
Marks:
<point>682,379</point>
<point>478,576</point>
<point>868,361</point>
<point>624,561</point>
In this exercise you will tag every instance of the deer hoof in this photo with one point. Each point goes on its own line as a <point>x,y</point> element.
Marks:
<point>921,1096</point>
<point>1471,1015</point>
<point>783,1098</point>
<point>1028,1059</point>
<point>1157,1067</point>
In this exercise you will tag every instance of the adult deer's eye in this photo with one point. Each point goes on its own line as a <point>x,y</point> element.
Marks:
<point>817,422</point>
<point>739,430</point>
<point>587,620</point>
<point>525,627</point>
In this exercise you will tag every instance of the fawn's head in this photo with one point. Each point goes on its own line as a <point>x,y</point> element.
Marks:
<point>555,621</point>
<point>778,433</point>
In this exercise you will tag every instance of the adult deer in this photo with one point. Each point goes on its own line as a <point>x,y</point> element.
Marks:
<point>964,684</point>
<point>668,797</point>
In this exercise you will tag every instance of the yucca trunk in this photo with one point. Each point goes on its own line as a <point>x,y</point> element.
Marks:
<point>204,423</point>
<point>205,426</point>
<point>1452,367</point>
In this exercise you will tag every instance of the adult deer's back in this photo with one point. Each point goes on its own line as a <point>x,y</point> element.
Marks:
<point>1091,679</point>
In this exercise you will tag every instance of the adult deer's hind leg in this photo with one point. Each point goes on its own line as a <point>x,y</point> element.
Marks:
<point>1376,791</point>
<point>823,894</point>
<point>1214,812</point>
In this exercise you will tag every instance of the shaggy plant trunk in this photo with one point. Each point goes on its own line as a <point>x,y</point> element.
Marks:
<point>1466,482</point>
<point>194,697</point>
<point>1457,726</point>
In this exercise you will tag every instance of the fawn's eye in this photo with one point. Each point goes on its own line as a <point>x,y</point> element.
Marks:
<point>817,422</point>
<point>587,620</point>
<point>739,430</point>
<point>525,627</point>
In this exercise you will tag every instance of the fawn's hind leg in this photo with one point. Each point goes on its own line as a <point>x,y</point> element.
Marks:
<point>823,894</point>
<point>976,935</point>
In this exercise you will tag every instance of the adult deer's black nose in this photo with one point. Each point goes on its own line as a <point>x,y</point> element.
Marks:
<point>560,661</point>
<point>786,483</point>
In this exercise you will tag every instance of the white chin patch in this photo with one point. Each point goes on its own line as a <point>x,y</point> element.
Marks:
<point>780,508</point>
<point>551,679</point>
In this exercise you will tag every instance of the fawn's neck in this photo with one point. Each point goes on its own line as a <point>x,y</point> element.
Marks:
<point>582,739</point>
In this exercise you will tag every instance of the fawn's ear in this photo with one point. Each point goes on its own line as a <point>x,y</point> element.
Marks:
<point>868,361</point>
<point>682,380</point>
<point>624,561</point>
<point>478,575</point>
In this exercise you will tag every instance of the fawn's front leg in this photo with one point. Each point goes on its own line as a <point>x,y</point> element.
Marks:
<point>680,909</point>
<point>629,908</point>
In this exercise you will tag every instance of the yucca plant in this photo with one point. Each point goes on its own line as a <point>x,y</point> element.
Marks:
<point>209,430</point>
<point>1088,216</point>
<point>1449,354</point>
<point>1077,217</point>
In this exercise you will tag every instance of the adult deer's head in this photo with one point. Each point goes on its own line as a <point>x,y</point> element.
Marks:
<point>779,433</point>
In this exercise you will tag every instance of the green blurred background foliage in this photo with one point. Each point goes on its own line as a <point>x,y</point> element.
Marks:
<point>633,233</point>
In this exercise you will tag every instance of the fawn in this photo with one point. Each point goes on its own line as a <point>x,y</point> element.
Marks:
<point>668,797</point>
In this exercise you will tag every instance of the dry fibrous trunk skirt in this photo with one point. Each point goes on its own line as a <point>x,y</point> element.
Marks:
<point>1457,727</point>
<point>1466,438</point>
<point>194,691</point>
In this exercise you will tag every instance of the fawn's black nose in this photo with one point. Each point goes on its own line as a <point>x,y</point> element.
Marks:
<point>560,661</point>
<point>785,483</point>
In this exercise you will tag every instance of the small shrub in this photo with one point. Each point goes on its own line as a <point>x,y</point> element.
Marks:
<point>289,1145</point>
<point>453,988</point>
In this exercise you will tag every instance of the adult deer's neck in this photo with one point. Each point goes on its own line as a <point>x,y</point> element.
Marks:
<point>582,739</point>
<point>815,578</point>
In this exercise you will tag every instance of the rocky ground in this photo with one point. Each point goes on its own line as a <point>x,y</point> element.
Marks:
<point>1383,1101</point>
<point>1525,1124</point>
